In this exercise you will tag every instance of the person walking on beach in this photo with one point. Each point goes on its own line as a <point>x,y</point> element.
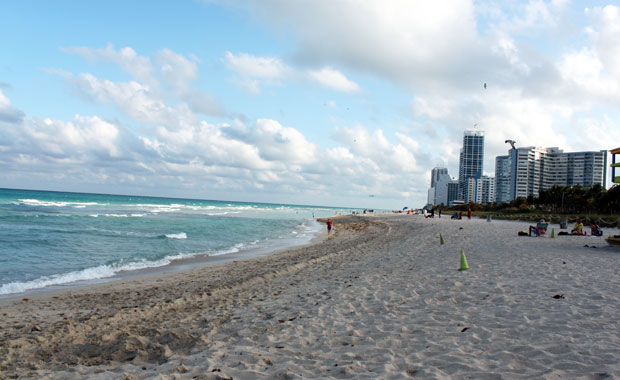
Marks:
<point>329,225</point>
<point>469,213</point>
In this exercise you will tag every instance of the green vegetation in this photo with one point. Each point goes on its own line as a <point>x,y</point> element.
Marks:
<point>556,204</point>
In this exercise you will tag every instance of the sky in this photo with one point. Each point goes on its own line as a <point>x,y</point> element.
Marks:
<point>319,102</point>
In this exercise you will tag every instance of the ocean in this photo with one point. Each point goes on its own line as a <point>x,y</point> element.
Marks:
<point>51,240</point>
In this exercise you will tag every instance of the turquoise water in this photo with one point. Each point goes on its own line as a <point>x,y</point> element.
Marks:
<point>56,239</point>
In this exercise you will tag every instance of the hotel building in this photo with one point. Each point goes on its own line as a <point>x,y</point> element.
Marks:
<point>470,164</point>
<point>531,169</point>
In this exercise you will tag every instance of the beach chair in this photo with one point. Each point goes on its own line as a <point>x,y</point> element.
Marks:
<point>540,228</point>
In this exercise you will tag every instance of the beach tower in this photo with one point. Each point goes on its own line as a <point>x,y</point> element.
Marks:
<point>614,165</point>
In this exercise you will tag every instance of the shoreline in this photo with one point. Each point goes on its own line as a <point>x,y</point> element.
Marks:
<point>379,298</point>
<point>176,265</point>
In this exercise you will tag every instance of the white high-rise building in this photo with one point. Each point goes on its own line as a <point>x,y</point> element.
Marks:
<point>534,168</point>
<point>481,190</point>
<point>439,192</point>
<point>502,179</point>
<point>436,174</point>
<point>526,171</point>
<point>470,161</point>
<point>486,190</point>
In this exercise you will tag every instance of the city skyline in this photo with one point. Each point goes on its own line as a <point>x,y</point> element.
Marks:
<point>523,172</point>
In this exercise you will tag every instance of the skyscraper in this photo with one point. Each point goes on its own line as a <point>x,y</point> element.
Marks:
<point>534,168</point>
<point>470,162</point>
<point>502,179</point>
<point>436,174</point>
<point>439,192</point>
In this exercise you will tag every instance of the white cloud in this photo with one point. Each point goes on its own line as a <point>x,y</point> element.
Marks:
<point>208,145</point>
<point>265,156</point>
<point>605,36</point>
<point>583,68</point>
<point>392,159</point>
<point>406,41</point>
<point>136,100</point>
<point>139,67</point>
<point>252,66</point>
<point>8,113</point>
<point>255,71</point>
<point>331,78</point>
<point>173,69</point>
<point>84,140</point>
<point>278,143</point>
<point>176,70</point>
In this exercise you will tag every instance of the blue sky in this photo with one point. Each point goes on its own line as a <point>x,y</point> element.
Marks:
<point>313,102</point>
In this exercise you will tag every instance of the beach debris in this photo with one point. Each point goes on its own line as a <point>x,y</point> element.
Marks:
<point>441,242</point>
<point>465,329</point>
<point>464,264</point>
<point>559,296</point>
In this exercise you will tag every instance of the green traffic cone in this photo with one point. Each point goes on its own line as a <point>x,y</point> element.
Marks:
<point>464,265</point>
<point>441,242</point>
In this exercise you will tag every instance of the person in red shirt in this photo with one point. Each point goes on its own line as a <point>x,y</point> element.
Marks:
<point>329,225</point>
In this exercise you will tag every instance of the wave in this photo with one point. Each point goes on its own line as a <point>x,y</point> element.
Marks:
<point>300,232</point>
<point>137,234</point>
<point>181,235</point>
<point>118,215</point>
<point>89,274</point>
<point>223,213</point>
<point>36,202</point>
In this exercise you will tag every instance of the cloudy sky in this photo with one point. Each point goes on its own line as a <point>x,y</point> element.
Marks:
<point>324,102</point>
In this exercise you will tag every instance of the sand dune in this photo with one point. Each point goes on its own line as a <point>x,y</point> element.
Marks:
<point>380,298</point>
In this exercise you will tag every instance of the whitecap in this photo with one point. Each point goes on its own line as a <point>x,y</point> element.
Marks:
<point>181,235</point>
<point>36,202</point>
<point>95,273</point>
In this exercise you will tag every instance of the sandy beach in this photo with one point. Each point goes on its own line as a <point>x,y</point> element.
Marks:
<point>380,298</point>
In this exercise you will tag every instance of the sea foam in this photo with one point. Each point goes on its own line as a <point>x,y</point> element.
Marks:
<point>181,235</point>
